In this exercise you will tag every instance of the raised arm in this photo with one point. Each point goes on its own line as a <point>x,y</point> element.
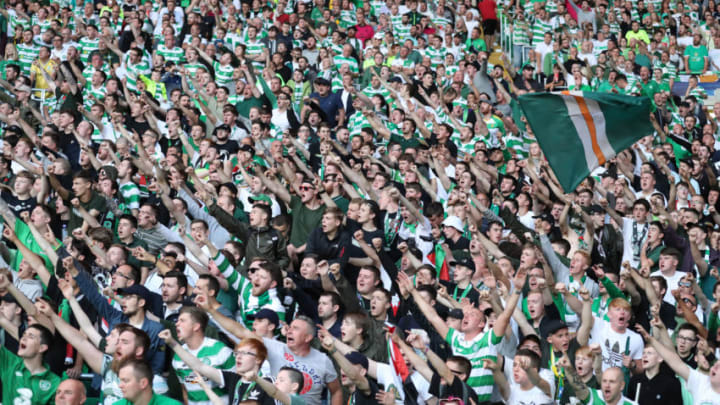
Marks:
<point>24,302</point>
<point>91,354</point>
<point>228,324</point>
<point>671,358</point>
<point>37,263</point>
<point>427,310</point>
<point>503,320</point>
<point>191,360</point>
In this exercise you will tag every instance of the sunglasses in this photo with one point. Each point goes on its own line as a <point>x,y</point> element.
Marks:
<point>685,284</point>
<point>306,188</point>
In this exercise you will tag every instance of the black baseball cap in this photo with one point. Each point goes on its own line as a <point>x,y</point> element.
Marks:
<point>466,262</point>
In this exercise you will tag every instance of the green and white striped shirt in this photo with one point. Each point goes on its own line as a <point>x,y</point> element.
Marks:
<point>223,74</point>
<point>213,353</point>
<point>538,31</point>
<point>87,46</point>
<point>131,194</point>
<point>478,349</point>
<point>520,33</point>
<point>26,55</point>
<point>133,71</point>
<point>248,304</point>
<point>340,60</point>
<point>175,54</point>
<point>437,56</point>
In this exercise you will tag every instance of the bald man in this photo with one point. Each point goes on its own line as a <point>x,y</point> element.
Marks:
<point>70,392</point>
<point>612,384</point>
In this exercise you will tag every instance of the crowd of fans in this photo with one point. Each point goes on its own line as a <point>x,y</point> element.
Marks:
<point>341,202</point>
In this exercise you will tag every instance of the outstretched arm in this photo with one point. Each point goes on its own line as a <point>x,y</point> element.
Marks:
<point>503,320</point>
<point>230,325</point>
<point>427,310</point>
<point>191,360</point>
<point>668,354</point>
<point>92,355</point>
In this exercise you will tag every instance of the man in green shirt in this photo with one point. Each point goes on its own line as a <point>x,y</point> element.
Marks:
<point>25,376</point>
<point>136,384</point>
<point>696,56</point>
<point>82,190</point>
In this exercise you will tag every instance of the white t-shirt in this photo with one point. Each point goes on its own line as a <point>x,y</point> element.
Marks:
<point>544,373</point>
<point>614,345</point>
<point>699,386</point>
<point>543,49</point>
<point>672,284</point>
<point>533,396</point>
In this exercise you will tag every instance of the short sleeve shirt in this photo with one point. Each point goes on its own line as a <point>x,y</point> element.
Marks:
<point>614,345</point>
<point>21,386</point>
<point>316,367</point>
<point>304,221</point>
<point>699,386</point>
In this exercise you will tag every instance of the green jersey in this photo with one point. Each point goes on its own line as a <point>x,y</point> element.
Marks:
<point>223,74</point>
<point>22,386</point>
<point>175,54</point>
<point>87,46</point>
<point>155,400</point>
<point>352,63</point>
<point>135,70</point>
<point>248,303</point>
<point>595,398</point>
<point>213,353</point>
<point>26,55</point>
<point>482,347</point>
<point>131,194</point>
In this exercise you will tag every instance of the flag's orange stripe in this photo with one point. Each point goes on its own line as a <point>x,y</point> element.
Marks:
<point>591,129</point>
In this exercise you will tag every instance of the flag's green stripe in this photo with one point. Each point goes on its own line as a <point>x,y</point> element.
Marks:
<point>549,119</point>
<point>627,118</point>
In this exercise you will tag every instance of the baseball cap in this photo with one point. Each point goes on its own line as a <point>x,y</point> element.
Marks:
<point>230,186</point>
<point>455,313</point>
<point>465,263</point>
<point>454,222</point>
<point>546,217</point>
<point>357,358</point>
<point>111,172</point>
<point>596,209</point>
<point>268,314</point>
<point>247,148</point>
<point>222,127</point>
<point>264,198</point>
<point>551,327</point>
<point>138,290</point>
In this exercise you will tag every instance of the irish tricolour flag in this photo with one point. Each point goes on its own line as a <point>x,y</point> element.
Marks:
<point>579,131</point>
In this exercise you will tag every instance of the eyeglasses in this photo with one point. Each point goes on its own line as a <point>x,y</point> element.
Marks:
<point>687,339</point>
<point>244,353</point>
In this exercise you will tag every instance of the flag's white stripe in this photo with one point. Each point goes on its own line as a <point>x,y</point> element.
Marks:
<point>582,130</point>
<point>600,132</point>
